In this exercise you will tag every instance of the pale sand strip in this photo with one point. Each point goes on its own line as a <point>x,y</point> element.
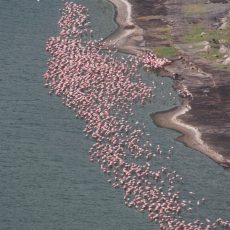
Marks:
<point>126,14</point>
<point>121,38</point>
<point>191,136</point>
<point>128,33</point>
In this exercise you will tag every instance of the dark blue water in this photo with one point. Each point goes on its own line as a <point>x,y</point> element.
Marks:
<point>46,179</point>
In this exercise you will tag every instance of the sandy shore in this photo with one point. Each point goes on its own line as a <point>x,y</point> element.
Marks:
<point>127,34</point>
<point>125,38</point>
<point>191,136</point>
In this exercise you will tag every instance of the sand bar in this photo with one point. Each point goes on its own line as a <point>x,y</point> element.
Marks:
<point>191,135</point>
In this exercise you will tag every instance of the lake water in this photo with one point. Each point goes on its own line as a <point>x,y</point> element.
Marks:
<point>46,178</point>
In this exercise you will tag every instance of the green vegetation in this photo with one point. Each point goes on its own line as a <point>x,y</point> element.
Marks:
<point>163,51</point>
<point>149,17</point>
<point>194,34</point>
<point>221,66</point>
<point>164,32</point>
<point>199,33</point>
<point>213,54</point>
<point>163,29</point>
<point>193,9</point>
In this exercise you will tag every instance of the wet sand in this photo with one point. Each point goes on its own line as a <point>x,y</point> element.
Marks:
<point>128,32</point>
<point>129,37</point>
<point>191,135</point>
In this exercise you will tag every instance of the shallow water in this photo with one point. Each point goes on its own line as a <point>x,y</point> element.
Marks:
<point>46,179</point>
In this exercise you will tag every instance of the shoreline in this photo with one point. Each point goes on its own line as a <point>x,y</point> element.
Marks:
<point>126,29</point>
<point>191,136</point>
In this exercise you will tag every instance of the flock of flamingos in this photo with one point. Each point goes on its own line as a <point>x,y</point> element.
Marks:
<point>101,89</point>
